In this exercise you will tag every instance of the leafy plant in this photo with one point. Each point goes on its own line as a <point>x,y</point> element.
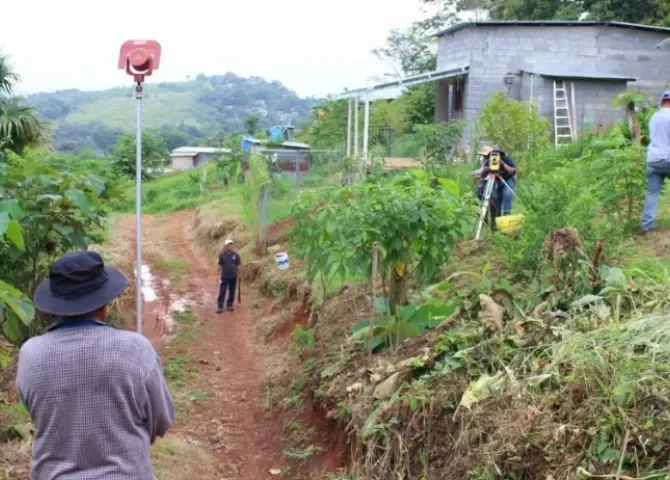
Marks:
<point>439,140</point>
<point>512,125</point>
<point>154,154</point>
<point>618,171</point>
<point>44,212</point>
<point>408,322</point>
<point>414,219</point>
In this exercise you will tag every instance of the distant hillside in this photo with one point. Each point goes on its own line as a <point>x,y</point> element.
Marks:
<point>193,111</point>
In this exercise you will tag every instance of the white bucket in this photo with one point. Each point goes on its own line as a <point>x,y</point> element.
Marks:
<point>282,260</point>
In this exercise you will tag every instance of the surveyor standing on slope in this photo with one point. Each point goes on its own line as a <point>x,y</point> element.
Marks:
<point>229,261</point>
<point>503,195</point>
<point>96,395</point>
<point>658,160</point>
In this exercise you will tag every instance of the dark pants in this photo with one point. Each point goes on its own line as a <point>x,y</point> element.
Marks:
<point>227,284</point>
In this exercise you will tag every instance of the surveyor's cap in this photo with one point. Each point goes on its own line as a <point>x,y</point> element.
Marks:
<point>665,96</point>
<point>485,150</point>
<point>228,241</point>
<point>78,283</point>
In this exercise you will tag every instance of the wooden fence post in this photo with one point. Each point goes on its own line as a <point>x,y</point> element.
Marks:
<point>375,255</point>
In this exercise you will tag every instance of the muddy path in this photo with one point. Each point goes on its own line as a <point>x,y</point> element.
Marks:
<point>232,422</point>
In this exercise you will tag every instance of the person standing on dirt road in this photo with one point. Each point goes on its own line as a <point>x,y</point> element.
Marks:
<point>229,262</point>
<point>96,394</point>
<point>658,161</point>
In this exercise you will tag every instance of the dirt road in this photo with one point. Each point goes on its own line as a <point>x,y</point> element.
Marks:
<point>231,422</point>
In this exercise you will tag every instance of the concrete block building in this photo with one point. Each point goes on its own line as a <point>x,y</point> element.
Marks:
<point>595,61</point>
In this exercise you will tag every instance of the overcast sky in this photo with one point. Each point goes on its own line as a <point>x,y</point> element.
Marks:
<point>313,47</point>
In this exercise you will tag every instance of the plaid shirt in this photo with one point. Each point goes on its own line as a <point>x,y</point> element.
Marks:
<point>98,400</point>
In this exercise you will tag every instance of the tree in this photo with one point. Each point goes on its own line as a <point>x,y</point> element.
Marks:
<point>642,11</point>
<point>19,125</point>
<point>251,123</point>
<point>154,154</point>
<point>412,51</point>
<point>522,129</point>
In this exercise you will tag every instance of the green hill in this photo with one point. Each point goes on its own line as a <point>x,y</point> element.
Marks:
<point>194,111</point>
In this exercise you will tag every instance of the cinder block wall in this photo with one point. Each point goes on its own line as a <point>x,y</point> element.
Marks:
<point>492,52</point>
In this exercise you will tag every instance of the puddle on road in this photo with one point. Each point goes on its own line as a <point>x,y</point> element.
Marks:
<point>177,303</point>
<point>148,292</point>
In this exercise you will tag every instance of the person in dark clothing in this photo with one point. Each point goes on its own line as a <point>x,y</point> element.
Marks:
<point>503,195</point>
<point>229,262</point>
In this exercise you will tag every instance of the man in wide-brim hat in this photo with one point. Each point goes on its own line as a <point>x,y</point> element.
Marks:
<point>96,394</point>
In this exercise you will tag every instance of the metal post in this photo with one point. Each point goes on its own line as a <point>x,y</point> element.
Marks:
<point>356,108</point>
<point>366,130</point>
<point>297,168</point>
<point>349,127</point>
<point>138,204</point>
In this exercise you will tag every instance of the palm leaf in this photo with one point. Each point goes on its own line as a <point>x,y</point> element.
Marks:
<point>20,126</point>
<point>8,77</point>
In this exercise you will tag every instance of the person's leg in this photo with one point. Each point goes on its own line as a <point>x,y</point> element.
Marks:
<point>222,294</point>
<point>508,196</point>
<point>231,292</point>
<point>655,177</point>
<point>497,197</point>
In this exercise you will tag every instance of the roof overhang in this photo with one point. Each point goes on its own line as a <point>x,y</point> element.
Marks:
<point>395,88</point>
<point>553,23</point>
<point>603,77</point>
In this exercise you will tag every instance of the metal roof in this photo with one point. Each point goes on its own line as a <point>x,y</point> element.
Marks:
<point>296,145</point>
<point>393,89</point>
<point>193,151</point>
<point>584,76</point>
<point>553,23</point>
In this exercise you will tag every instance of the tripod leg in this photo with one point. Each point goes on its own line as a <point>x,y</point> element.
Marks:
<point>502,197</point>
<point>485,209</point>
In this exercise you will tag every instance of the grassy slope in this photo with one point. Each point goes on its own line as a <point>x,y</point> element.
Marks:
<point>161,108</point>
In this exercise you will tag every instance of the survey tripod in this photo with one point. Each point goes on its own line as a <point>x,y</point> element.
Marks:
<point>488,207</point>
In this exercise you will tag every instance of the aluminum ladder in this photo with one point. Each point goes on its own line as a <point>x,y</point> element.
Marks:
<point>562,120</point>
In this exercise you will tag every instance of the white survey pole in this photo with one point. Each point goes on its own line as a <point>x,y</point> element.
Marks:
<point>366,130</point>
<point>138,205</point>
<point>139,58</point>
<point>356,105</point>
<point>349,127</point>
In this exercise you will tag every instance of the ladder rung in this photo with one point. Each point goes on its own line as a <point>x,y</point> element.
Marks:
<point>564,136</point>
<point>562,118</point>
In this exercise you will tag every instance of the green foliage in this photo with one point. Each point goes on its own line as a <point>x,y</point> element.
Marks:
<point>154,155</point>
<point>439,140</point>
<point>229,165</point>
<point>251,123</point>
<point>414,223</point>
<point>512,125</point>
<point>652,12</point>
<point>417,105</point>
<point>328,125</point>
<point>408,322</point>
<point>619,173</point>
<point>259,178</point>
<point>19,125</point>
<point>44,212</point>
<point>596,187</point>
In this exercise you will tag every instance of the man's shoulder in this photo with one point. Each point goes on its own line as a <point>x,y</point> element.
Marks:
<point>126,343</point>
<point>662,114</point>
